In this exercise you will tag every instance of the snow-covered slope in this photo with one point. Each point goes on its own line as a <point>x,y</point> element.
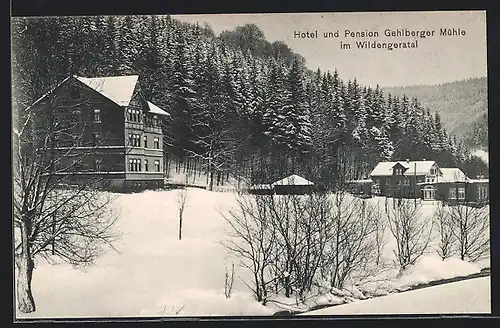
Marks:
<point>468,296</point>
<point>155,274</point>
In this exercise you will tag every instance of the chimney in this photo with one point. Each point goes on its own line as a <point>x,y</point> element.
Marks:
<point>407,160</point>
<point>423,159</point>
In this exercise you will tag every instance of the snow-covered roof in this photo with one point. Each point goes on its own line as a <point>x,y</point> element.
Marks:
<point>156,110</point>
<point>293,180</point>
<point>119,89</point>
<point>452,175</point>
<point>478,180</point>
<point>413,168</point>
<point>360,181</point>
<point>261,187</point>
<point>383,168</point>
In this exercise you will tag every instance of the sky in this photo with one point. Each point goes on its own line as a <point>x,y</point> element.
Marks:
<point>435,59</point>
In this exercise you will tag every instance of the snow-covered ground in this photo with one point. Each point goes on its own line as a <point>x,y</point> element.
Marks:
<point>467,296</point>
<point>155,274</point>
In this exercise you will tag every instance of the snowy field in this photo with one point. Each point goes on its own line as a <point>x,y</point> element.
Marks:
<point>468,296</point>
<point>155,274</point>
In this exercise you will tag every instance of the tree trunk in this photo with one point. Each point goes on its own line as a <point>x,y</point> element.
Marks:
<point>180,225</point>
<point>24,268</point>
<point>211,185</point>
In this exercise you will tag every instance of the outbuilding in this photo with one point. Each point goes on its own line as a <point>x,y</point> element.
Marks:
<point>293,185</point>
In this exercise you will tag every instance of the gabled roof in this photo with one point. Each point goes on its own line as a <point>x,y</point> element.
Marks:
<point>413,168</point>
<point>156,110</point>
<point>293,180</point>
<point>48,92</point>
<point>418,167</point>
<point>118,89</point>
<point>452,175</point>
<point>383,169</point>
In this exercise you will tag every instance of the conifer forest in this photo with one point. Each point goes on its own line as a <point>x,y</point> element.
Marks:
<point>248,106</point>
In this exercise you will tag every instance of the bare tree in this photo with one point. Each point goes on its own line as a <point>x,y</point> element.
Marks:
<point>470,227</point>
<point>412,233</point>
<point>292,243</point>
<point>51,221</point>
<point>181,202</point>
<point>229,281</point>
<point>252,239</point>
<point>355,249</point>
<point>445,230</point>
<point>302,225</point>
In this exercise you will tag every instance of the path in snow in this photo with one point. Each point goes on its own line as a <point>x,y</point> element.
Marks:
<point>468,296</point>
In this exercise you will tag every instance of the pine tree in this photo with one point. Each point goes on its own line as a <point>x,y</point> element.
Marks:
<point>298,125</point>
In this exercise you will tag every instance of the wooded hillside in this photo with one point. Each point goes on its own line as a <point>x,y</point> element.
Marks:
<point>247,107</point>
<point>463,106</point>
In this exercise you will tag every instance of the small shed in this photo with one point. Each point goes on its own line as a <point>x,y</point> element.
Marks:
<point>261,189</point>
<point>293,185</point>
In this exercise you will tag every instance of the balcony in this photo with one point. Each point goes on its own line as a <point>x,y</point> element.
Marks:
<point>134,151</point>
<point>134,125</point>
<point>153,129</point>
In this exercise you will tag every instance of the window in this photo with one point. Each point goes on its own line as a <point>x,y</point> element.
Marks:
<point>135,165</point>
<point>134,140</point>
<point>76,140</point>
<point>134,115</point>
<point>76,165</point>
<point>97,116</point>
<point>399,171</point>
<point>76,115</point>
<point>97,138</point>
<point>484,192</point>
<point>453,193</point>
<point>406,182</point>
<point>387,182</point>
<point>156,142</point>
<point>433,171</point>
<point>461,193</point>
<point>157,166</point>
<point>377,181</point>
<point>429,179</point>
<point>398,182</point>
<point>429,193</point>
<point>145,141</point>
<point>57,140</point>
<point>155,120</point>
<point>146,165</point>
<point>97,165</point>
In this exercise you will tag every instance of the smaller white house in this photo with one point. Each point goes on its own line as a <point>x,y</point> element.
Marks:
<point>290,185</point>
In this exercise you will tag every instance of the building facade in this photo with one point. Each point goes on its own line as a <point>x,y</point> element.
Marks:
<point>104,132</point>
<point>424,180</point>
